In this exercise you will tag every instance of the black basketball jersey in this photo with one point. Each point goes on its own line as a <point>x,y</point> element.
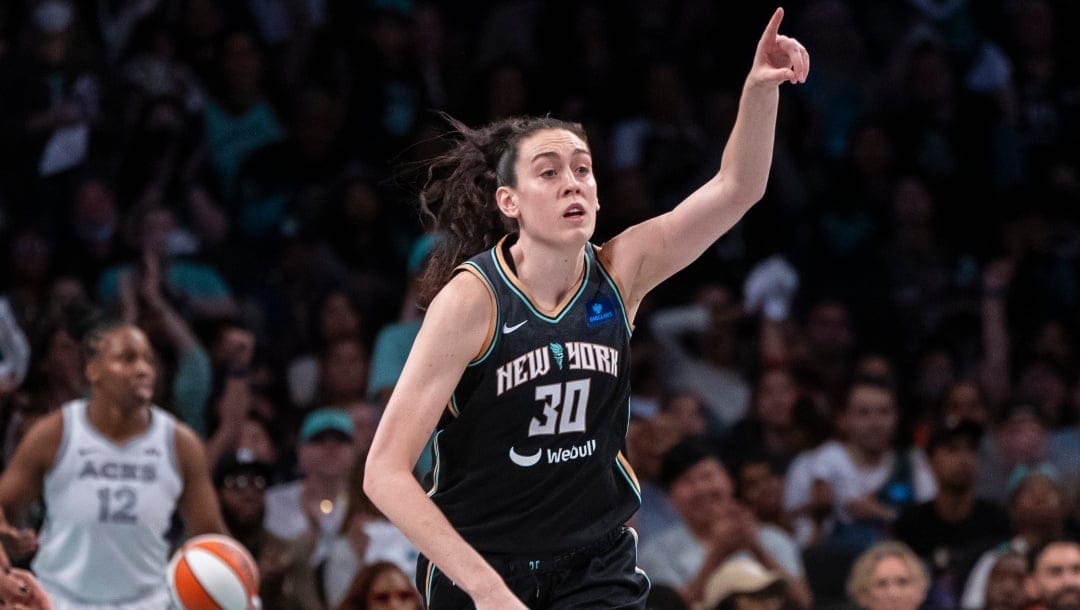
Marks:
<point>529,457</point>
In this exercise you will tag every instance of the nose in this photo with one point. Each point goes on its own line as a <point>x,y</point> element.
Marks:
<point>573,184</point>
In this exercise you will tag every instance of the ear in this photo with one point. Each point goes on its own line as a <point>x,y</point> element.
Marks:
<point>506,199</point>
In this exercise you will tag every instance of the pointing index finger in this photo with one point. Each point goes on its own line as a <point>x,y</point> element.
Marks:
<point>773,28</point>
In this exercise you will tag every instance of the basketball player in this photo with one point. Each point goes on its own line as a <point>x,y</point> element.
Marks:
<point>521,363</point>
<point>111,470</point>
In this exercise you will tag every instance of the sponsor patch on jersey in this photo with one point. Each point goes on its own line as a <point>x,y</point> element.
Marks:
<point>601,310</point>
<point>558,455</point>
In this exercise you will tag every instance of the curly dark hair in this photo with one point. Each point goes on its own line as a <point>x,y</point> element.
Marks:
<point>458,197</point>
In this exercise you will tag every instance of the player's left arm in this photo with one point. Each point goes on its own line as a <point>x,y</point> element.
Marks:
<point>198,503</point>
<point>648,253</point>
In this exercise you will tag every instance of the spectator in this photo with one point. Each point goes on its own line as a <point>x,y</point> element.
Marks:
<point>337,316</point>
<point>864,479</point>
<point>1019,440</point>
<point>366,538</point>
<point>287,580</point>
<point>381,586</point>
<point>1038,511</point>
<point>951,531</point>
<point>318,502</point>
<point>715,528</point>
<point>1005,587</point>
<point>888,576</point>
<point>198,287</point>
<point>770,428</point>
<point>744,584</point>
<point>1053,580</point>
<point>240,119</point>
<point>712,374</point>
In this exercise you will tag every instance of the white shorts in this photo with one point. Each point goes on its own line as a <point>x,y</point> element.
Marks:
<point>159,600</point>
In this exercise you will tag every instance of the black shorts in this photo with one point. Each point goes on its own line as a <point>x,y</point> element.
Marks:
<point>603,574</point>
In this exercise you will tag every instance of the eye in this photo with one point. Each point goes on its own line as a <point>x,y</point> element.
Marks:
<point>583,170</point>
<point>547,173</point>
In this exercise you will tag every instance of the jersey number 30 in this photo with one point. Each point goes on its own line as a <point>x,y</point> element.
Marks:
<point>564,408</point>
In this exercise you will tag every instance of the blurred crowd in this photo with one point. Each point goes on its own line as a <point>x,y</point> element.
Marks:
<point>887,348</point>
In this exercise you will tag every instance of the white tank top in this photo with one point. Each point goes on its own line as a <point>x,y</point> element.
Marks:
<point>107,510</point>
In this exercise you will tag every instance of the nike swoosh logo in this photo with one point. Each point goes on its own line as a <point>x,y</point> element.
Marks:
<point>524,460</point>
<point>509,329</point>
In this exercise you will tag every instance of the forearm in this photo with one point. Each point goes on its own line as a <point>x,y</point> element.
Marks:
<point>397,494</point>
<point>748,155</point>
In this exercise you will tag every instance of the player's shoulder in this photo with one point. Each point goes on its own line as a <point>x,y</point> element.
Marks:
<point>467,295</point>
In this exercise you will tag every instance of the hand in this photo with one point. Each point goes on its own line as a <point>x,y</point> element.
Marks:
<point>779,58</point>
<point>771,286</point>
<point>150,284</point>
<point>19,590</point>
<point>19,542</point>
<point>734,530</point>
<point>867,508</point>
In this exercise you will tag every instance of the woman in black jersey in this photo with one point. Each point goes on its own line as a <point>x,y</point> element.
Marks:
<point>521,365</point>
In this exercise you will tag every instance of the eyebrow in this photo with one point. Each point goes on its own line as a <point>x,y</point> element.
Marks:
<point>555,155</point>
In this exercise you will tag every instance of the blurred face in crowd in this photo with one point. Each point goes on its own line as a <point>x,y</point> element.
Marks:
<point>699,492</point>
<point>829,330</point>
<point>964,401</point>
<point>338,317</point>
<point>893,586</point>
<point>63,360</point>
<point>761,490</point>
<point>328,455</point>
<point>242,63</point>
<point>1022,438</point>
<point>870,419</point>
<point>776,398</point>
<point>687,413</point>
<point>953,463</point>
<point>243,497</point>
<point>1005,587</point>
<point>392,590</point>
<point>1055,577</point>
<point>343,374</point>
<point>1038,503</point>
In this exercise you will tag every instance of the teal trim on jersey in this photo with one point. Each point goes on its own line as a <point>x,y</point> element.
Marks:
<point>438,464</point>
<point>454,410</point>
<point>629,480</point>
<point>427,585</point>
<point>498,314</point>
<point>525,299</point>
<point>615,288</point>
<point>637,568</point>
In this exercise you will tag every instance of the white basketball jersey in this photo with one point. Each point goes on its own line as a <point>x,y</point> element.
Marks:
<point>107,510</point>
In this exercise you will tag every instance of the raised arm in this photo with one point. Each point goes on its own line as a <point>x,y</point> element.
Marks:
<point>646,254</point>
<point>456,326</point>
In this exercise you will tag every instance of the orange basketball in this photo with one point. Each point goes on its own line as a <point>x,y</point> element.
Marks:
<point>212,572</point>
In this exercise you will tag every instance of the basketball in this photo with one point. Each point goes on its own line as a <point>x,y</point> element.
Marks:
<point>213,572</point>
